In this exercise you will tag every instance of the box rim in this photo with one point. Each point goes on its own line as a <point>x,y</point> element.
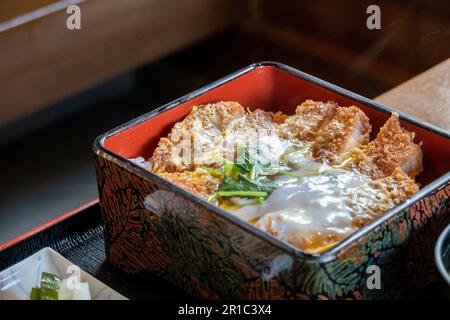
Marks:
<point>326,256</point>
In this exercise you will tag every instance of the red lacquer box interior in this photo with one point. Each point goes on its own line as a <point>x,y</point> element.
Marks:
<point>273,89</point>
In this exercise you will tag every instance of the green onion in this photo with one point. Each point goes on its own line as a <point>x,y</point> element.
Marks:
<point>288,173</point>
<point>229,168</point>
<point>241,193</point>
<point>293,153</point>
<point>213,172</point>
<point>212,199</point>
<point>252,172</point>
<point>260,200</point>
<point>245,178</point>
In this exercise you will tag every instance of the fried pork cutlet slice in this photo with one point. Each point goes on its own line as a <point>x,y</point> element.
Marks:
<point>213,131</point>
<point>349,129</point>
<point>259,132</point>
<point>309,117</point>
<point>196,135</point>
<point>393,147</point>
<point>382,195</point>
<point>201,184</point>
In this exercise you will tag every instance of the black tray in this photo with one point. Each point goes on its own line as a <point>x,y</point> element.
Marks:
<point>79,238</point>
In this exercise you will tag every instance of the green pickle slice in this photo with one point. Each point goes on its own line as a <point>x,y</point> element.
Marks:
<point>50,284</point>
<point>35,294</point>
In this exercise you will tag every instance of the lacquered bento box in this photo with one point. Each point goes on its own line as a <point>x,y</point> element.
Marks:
<point>152,225</point>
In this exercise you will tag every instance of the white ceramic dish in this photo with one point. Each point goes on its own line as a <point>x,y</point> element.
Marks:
<point>16,281</point>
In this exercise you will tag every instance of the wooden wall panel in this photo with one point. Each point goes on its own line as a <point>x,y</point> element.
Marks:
<point>42,61</point>
<point>414,35</point>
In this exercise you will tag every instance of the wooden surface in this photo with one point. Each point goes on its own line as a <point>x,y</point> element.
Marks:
<point>426,96</point>
<point>42,62</point>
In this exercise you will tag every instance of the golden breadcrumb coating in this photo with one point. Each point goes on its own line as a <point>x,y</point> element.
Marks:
<point>309,117</point>
<point>199,133</point>
<point>202,184</point>
<point>393,147</point>
<point>382,195</point>
<point>349,129</point>
<point>211,132</point>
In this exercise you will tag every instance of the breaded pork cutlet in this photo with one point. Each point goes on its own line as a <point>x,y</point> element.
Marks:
<point>202,184</point>
<point>393,147</point>
<point>258,131</point>
<point>348,130</point>
<point>197,134</point>
<point>211,132</point>
<point>307,121</point>
<point>382,195</point>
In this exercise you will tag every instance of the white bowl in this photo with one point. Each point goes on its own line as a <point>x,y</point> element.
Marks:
<point>16,281</point>
<point>442,256</point>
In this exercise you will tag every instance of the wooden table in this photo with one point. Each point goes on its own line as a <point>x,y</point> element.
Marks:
<point>426,96</point>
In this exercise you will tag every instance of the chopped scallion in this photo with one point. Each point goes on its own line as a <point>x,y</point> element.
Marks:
<point>241,193</point>
<point>213,172</point>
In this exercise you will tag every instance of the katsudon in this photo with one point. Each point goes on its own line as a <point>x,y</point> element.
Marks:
<point>310,179</point>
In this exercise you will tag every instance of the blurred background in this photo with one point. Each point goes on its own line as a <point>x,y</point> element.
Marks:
<point>60,88</point>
